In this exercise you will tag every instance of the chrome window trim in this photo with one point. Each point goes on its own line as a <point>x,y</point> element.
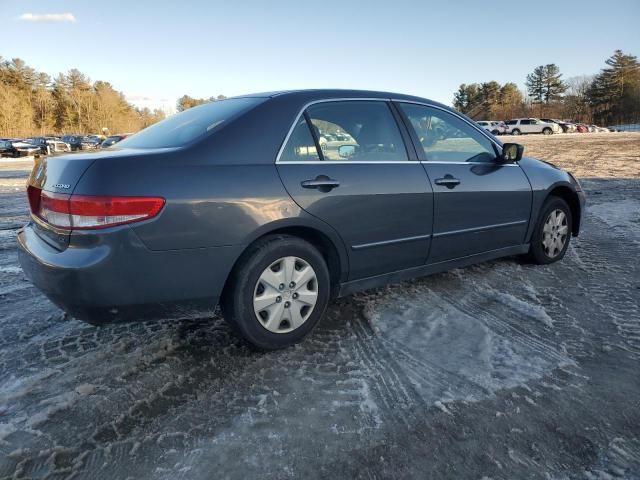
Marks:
<point>482,131</point>
<point>457,115</point>
<point>428,162</point>
<point>397,162</point>
<point>350,162</point>
<point>334,162</point>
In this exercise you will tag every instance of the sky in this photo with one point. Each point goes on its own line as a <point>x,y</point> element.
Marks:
<point>157,51</point>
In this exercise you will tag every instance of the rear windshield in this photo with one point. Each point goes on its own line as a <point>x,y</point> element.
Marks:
<point>185,127</point>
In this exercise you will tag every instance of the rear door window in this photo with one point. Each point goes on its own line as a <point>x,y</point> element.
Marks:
<point>357,131</point>
<point>301,146</point>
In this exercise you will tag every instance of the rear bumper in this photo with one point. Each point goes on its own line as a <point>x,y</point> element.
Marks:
<point>113,276</point>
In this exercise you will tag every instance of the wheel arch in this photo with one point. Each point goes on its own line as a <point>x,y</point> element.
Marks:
<point>571,197</point>
<point>328,244</point>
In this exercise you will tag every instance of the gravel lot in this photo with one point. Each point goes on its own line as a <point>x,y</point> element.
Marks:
<point>503,370</point>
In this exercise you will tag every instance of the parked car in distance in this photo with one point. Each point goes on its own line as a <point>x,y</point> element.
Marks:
<point>9,147</point>
<point>25,148</point>
<point>189,213</point>
<point>90,142</point>
<point>56,145</point>
<point>112,140</point>
<point>49,145</point>
<point>567,127</point>
<point>495,127</point>
<point>581,128</point>
<point>518,126</point>
<point>74,141</point>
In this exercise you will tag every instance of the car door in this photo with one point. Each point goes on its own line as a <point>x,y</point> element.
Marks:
<point>480,204</point>
<point>347,163</point>
<point>525,126</point>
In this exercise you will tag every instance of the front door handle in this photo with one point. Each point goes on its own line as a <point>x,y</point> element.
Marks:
<point>448,181</point>
<point>322,183</point>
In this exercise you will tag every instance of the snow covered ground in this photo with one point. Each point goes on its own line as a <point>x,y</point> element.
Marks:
<point>502,370</point>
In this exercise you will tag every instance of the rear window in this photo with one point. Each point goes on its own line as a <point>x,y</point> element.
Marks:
<point>185,127</point>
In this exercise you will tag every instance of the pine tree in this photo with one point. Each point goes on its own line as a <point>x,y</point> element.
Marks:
<point>615,91</point>
<point>535,84</point>
<point>553,86</point>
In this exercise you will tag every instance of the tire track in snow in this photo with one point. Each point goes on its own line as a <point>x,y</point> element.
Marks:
<point>620,300</point>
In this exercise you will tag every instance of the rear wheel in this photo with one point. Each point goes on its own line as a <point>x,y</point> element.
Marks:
<point>496,132</point>
<point>515,131</point>
<point>277,293</point>
<point>547,131</point>
<point>552,233</point>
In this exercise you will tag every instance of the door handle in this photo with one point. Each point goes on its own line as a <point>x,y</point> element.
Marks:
<point>322,183</point>
<point>448,181</point>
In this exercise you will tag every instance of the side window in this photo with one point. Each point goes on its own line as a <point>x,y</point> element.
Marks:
<point>447,138</point>
<point>525,122</point>
<point>512,122</point>
<point>300,147</point>
<point>358,131</point>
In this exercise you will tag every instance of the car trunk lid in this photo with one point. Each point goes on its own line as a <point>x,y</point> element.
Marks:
<point>60,207</point>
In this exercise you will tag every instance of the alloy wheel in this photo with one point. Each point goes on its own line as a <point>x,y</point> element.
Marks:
<point>285,294</point>
<point>554,233</point>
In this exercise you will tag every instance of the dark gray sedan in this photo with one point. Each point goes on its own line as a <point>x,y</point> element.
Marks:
<point>272,204</point>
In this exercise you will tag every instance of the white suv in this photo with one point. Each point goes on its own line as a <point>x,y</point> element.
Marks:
<point>532,125</point>
<point>496,128</point>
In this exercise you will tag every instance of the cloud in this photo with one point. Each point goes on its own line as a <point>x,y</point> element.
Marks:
<point>48,17</point>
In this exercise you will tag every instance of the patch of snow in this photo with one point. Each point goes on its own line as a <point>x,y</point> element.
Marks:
<point>17,387</point>
<point>435,340</point>
<point>536,312</point>
<point>624,213</point>
<point>11,269</point>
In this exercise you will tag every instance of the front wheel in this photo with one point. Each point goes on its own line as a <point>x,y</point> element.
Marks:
<point>277,293</point>
<point>547,131</point>
<point>552,233</point>
<point>515,132</point>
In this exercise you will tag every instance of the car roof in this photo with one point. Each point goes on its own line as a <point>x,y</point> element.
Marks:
<point>336,93</point>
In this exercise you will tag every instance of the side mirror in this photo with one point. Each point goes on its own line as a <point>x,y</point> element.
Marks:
<point>511,152</point>
<point>346,151</point>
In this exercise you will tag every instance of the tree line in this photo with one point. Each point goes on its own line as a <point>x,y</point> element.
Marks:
<point>32,103</point>
<point>611,97</point>
<point>185,102</point>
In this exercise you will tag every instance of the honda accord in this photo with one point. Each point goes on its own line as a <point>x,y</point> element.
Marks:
<point>272,204</point>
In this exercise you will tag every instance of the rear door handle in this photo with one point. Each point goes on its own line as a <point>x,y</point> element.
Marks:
<point>448,181</point>
<point>322,183</point>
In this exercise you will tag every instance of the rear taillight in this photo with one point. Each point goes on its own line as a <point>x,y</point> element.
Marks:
<point>84,212</point>
<point>34,198</point>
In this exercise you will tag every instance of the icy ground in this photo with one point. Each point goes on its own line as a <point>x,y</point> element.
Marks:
<point>502,370</point>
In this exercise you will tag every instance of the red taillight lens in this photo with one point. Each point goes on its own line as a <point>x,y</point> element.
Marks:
<point>101,212</point>
<point>54,209</point>
<point>33,193</point>
<point>85,212</point>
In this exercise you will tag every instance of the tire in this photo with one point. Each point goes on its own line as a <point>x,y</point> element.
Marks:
<point>515,131</point>
<point>543,250</point>
<point>269,329</point>
<point>547,131</point>
<point>495,132</point>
